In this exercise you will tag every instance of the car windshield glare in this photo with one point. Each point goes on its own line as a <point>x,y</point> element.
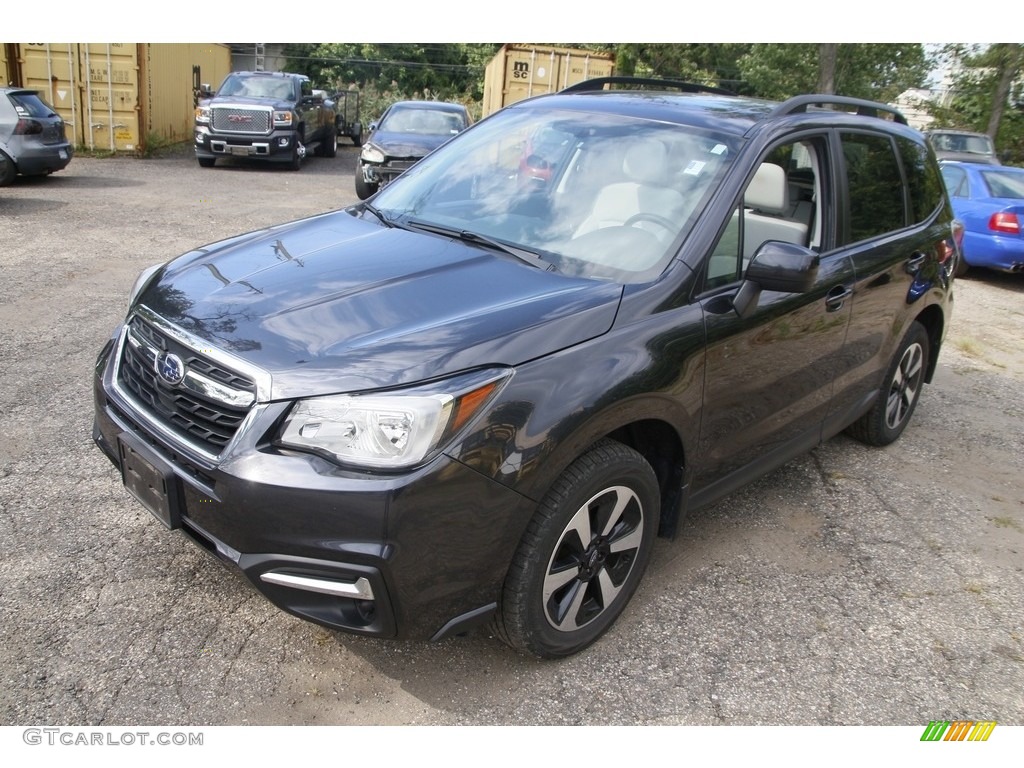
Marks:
<point>425,121</point>
<point>600,196</point>
<point>258,87</point>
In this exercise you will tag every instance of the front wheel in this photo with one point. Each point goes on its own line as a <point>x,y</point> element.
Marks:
<point>900,391</point>
<point>582,555</point>
<point>364,189</point>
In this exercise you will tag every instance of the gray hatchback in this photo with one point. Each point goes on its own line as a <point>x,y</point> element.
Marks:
<point>32,139</point>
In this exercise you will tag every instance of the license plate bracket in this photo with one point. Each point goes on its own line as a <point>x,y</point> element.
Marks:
<point>148,478</point>
<point>244,151</point>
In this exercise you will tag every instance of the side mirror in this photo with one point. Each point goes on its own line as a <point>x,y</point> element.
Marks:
<point>776,266</point>
<point>206,91</point>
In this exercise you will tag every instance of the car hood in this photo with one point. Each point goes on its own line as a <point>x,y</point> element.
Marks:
<point>407,144</point>
<point>337,303</point>
<point>249,101</point>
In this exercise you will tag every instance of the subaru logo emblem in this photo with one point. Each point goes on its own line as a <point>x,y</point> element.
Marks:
<point>170,368</point>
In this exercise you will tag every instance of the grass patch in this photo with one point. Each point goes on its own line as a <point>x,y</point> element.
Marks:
<point>1006,522</point>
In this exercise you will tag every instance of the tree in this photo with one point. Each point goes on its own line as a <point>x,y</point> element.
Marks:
<point>877,71</point>
<point>986,95</point>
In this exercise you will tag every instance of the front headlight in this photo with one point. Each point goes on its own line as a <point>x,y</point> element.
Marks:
<point>371,154</point>
<point>203,115</point>
<point>282,119</point>
<point>388,430</point>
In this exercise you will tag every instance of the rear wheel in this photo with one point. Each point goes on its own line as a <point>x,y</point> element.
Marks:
<point>329,147</point>
<point>900,393</point>
<point>582,555</point>
<point>8,171</point>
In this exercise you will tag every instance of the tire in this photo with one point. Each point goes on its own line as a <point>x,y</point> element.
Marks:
<point>583,554</point>
<point>8,170</point>
<point>207,162</point>
<point>900,392</point>
<point>298,155</point>
<point>961,266</point>
<point>364,189</point>
<point>330,147</point>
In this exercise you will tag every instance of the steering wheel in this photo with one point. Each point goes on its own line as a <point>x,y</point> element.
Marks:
<point>636,218</point>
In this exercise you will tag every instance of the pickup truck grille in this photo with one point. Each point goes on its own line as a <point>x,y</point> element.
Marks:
<point>205,409</point>
<point>241,120</point>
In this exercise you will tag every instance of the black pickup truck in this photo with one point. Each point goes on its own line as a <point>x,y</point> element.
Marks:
<point>275,116</point>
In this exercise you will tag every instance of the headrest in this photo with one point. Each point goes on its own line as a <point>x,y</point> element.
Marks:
<point>646,161</point>
<point>767,191</point>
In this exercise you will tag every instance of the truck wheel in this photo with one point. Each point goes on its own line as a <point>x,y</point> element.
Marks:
<point>364,189</point>
<point>582,555</point>
<point>298,154</point>
<point>330,147</point>
<point>357,139</point>
<point>207,162</point>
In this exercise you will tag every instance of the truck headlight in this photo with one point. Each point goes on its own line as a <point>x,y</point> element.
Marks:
<point>203,115</point>
<point>282,119</point>
<point>388,430</point>
<point>371,154</point>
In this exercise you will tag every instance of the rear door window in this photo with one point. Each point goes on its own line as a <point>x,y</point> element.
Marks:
<point>875,184</point>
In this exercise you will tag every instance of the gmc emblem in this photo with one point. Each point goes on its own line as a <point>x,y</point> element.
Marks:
<point>240,118</point>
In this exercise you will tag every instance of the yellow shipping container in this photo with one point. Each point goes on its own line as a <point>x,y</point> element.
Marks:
<point>519,71</point>
<point>118,96</point>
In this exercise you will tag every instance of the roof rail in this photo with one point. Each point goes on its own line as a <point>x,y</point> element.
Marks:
<point>598,83</point>
<point>864,107</point>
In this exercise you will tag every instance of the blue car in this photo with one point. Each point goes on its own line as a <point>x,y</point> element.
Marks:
<point>989,200</point>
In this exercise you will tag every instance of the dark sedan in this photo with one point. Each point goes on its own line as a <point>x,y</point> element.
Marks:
<point>32,140</point>
<point>405,133</point>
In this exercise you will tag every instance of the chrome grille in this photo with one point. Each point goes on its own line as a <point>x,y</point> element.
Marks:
<point>241,120</point>
<point>205,409</point>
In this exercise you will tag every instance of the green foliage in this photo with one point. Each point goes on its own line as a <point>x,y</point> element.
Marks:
<point>448,71</point>
<point>877,71</point>
<point>973,95</point>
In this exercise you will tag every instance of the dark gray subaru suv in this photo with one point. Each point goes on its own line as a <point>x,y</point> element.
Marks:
<point>480,395</point>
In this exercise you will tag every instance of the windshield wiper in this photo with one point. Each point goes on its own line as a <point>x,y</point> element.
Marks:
<point>531,258</point>
<point>376,212</point>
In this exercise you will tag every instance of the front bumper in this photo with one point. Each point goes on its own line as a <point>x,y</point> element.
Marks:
<point>279,145</point>
<point>386,172</point>
<point>420,554</point>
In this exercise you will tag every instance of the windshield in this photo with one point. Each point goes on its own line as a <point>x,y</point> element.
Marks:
<point>960,142</point>
<point>595,195</point>
<point>257,86</point>
<point>425,121</point>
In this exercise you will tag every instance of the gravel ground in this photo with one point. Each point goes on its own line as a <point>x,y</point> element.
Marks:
<point>852,586</point>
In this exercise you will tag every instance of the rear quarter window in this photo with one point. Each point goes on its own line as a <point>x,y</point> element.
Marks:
<point>924,181</point>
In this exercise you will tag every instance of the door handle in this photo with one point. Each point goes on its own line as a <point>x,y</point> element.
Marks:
<point>835,298</point>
